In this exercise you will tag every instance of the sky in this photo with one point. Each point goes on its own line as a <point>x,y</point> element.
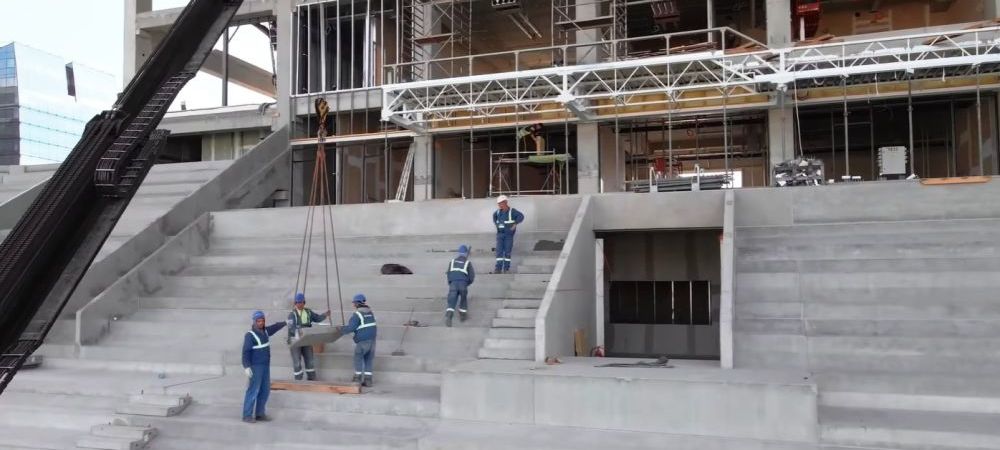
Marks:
<point>98,41</point>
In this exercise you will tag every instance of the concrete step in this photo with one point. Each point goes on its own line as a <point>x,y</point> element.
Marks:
<point>940,327</point>
<point>464,435</point>
<point>209,288</point>
<point>876,229</point>
<point>135,433</point>
<point>521,304</point>
<point>910,392</point>
<point>280,304</point>
<point>234,322</point>
<point>146,409</point>
<point>964,249</point>
<point>501,322</point>
<point>908,429</point>
<point>507,353</point>
<point>512,333</point>
<point>746,309</point>
<point>58,411</point>
<point>38,436</point>
<point>291,428</point>
<point>848,265</point>
<point>109,443</point>
<point>382,399</point>
<point>503,343</point>
<point>517,313</point>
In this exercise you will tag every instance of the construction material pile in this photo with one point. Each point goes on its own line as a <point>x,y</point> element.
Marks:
<point>798,172</point>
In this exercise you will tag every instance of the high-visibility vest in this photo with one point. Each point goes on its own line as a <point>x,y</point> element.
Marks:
<point>510,218</point>
<point>361,317</point>
<point>305,317</point>
<point>260,344</point>
<point>464,268</point>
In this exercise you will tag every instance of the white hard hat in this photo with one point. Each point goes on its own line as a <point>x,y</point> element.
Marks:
<point>501,199</point>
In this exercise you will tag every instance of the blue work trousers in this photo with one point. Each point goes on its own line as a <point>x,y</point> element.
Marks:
<point>258,389</point>
<point>458,295</point>
<point>505,243</point>
<point>364,356</point>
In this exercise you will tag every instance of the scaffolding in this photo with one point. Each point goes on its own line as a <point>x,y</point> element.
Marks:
<point>749,77</point>
<point>506,165</point>
<point>436,32</point>
<point>609,18</point>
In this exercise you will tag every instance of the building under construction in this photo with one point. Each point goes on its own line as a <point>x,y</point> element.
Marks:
<point>749,224</point>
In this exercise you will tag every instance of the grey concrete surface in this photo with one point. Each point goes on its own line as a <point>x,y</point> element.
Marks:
<point>886,292</point>
<point>773,405</point>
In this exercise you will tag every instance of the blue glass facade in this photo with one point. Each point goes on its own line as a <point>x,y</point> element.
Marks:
<point>45,103</point>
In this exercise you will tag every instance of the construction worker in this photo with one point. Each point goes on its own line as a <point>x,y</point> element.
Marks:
<point>460,276</point>
<point>257,366</point>
<point>505,219</point>
<point>302,317</point>
<point>362,324</point>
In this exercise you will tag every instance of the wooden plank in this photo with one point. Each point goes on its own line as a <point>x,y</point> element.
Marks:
<point>953,180</point>
<point>315,386</point>
<point>823,39</point>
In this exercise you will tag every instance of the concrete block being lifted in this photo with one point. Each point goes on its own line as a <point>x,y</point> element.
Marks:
<point>317,334</point>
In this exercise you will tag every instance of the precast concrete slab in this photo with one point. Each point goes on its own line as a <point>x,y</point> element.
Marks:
<point>691,398</point>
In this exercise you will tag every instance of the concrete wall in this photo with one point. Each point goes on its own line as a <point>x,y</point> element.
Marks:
<point>866,202</point>
<point>12,210</point>
<point>122,297</point>
<point>627,339</point>
<point>570,298</point>
<point>434,217</point>
<point>628,211</point>
<point>246,183</point>
<point>708,402</point>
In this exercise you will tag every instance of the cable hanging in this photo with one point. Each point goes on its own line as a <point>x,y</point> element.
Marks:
<point>319,196</point>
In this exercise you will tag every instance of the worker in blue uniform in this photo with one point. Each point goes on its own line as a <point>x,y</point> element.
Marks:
<point>505,219</point>
<point>460,276</point>
<point>302,317</point>
<point>362,324</point>
<point>257,366</point>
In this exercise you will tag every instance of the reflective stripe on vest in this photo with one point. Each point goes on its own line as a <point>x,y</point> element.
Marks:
<point>361,317</point>
<point>464,269</point>
<point>510,218</point>
<point>259,345</point>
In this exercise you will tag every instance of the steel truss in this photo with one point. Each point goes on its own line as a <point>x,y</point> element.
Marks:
<point>589,91</point>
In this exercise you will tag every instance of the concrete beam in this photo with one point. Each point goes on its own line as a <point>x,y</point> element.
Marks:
<point>283,10</point>
<point>161,20</point>
<point>232,118</point>
<point>370,99</point>
<point>137,45</point>
<point>241,73</point>
<point>423,168</point>
<point>588,164</point>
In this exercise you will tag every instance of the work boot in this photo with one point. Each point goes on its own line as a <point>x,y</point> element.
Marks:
<point>356,378</point>
<point>264,418</point>
<point>462,315</point>
<point>311,376</point>
<point>248,419</point>
<point>368,381</point>
<point>447,318</point>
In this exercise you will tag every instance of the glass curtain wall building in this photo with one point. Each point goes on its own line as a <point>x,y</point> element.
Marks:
<point>45,102</point>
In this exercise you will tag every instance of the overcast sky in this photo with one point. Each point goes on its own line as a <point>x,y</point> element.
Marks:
<point>97,42</point>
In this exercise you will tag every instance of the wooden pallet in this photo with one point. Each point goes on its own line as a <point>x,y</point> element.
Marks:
<point>954,180</point>
<point>316,386</point>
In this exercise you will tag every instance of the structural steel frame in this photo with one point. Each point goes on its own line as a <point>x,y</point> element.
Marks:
<point>589,90</point>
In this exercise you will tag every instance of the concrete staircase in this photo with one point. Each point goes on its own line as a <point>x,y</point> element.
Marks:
<point>190,331</point>
<point>898,321</point>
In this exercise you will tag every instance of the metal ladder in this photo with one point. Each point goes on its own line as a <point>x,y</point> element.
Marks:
<point>404,178</point>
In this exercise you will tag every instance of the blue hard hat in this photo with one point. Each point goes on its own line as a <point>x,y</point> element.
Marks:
<point>258,315</point>
<point>359,299</point>
<point>300,298</point>
<point>463,249</point>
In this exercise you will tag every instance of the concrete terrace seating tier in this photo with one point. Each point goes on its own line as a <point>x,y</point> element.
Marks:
<point>890,299</point>
<point>164,186</point>
<point>19,185</point>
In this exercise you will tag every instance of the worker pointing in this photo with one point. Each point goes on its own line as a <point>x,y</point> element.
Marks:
<point>505,219</point>
<point>302,317</point>
<point>460,276</point>
<point>362,324</point>
<point>257,366</point>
